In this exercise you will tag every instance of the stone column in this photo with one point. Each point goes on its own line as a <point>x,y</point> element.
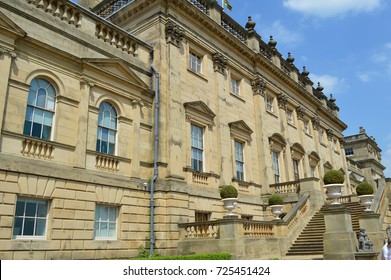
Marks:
<point>370,222</point>
<point>6,57</point>
<point>174,130</point>
<point>82,126</point>
<point>339,240</point>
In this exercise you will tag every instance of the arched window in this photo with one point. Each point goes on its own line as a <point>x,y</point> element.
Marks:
<point>107,129</point>
<point>40,109</point>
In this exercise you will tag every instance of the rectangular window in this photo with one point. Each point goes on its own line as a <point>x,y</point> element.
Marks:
<point>306,127</point>
<point>289,116</point>
<point>105,222</point>
<point>239,161</point>
<point>195,62</point>
<point>349,151</point>
<point>30,218</point>
<point>235,86</point>
<point>202,216</point>
<point>197,148</point>
<point>296,169</point>
<point>269,104</point>
<point>313,171</point>
<point>321,133</point>
<point>276,167</point>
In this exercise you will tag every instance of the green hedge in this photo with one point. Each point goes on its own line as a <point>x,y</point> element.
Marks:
<point>219,256</point>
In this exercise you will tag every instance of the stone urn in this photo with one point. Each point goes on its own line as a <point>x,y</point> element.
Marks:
<point>229,205</point>
<point>276,211</point>
<point>366,200</point>
<point>334,192</point>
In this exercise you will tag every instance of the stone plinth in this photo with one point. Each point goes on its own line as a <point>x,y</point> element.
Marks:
<point>370,222</point>
<point>339,240</point>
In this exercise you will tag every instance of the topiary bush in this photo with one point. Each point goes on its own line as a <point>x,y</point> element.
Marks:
<point>333,177</point>
<point>228,191</point>
<point>275,199</point>
<point>364,188</point>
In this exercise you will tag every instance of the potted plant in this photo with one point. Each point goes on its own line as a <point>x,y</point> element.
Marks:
<point>276,204</point>
<point>364,192</point>
<point>229,196</point>
<point>333,183</point>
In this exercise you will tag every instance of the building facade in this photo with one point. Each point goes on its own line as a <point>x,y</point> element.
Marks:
<point>120,120</point>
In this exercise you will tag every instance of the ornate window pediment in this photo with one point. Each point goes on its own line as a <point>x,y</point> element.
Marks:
<point>313,159</point>
<point>297,151</point>
<point>240,130</point>
<point>277,142</point>
<point>198,111</point>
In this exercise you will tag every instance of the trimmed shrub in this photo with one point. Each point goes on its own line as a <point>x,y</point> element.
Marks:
<point>275,199</point>
<point>364,188</point>
<point>333,177</point>
<point>228,191</point>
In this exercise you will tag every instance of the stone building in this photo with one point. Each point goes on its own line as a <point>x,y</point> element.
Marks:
<point>120,120</point>
<point>363,152</point>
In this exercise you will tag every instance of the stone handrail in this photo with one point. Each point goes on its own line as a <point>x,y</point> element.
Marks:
<point>37,148</point>
<point>201,230</point>
<point>286,187</point>
<point>107,162</point>
<point>258,229</point>
<point>233,27</point>
<point>117,38</point>
<point>61,9</point>
<point>201,5</point>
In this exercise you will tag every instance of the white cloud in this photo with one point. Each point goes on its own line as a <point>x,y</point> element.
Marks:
<point>282,34</point>
<point>367,76</point>
<point>331,84</point>
<point>330,8</point>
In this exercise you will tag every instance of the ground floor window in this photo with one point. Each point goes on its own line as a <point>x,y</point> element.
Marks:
<point>105,222</point>
<point>30,218</point>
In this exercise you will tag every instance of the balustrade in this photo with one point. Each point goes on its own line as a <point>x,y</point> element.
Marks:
<point>107,163</point>
<point>59,8</point>
<point>37,149</point>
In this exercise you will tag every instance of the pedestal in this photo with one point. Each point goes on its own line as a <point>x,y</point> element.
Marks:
<point>339,240</point>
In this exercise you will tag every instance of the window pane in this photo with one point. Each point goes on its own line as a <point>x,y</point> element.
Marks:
<point>47,118</point>
<point>20,208</point>
<point>111,149</point>
<point>41,99</point>
<point>27,128</point>
<point>46,132</point>
<point>28,226</point>
<point>18,226</point>
<point>37,128</point>
<point>42,210</point>
<point>31,98</point>
<point>38,115</point>
<point>31,209</point>
<point>29,113</point>
<point>112,214</point>
<point>40,227</point>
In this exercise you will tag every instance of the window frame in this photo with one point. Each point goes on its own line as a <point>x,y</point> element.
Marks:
<point>349,151</point>
<point>33,105</point>
<point>198,149</point>
<point>276,166</point>
<point>195,62</point>
<point>235,85</point>
<point>35,219</point>
<point>101,128</point>
<point>270,104</point>
<point>109,222</point>
<point>239,160</point>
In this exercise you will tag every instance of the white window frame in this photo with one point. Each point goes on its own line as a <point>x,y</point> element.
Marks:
<point>289,116</point>
<point>269,104</point>
<point>110,130</point>
<point>47,109</point>
<point>235,86</point>
<point>197,146</point>
<point>36,217</point>
<point>99,222</point>
<point>239,160</point>
<point>195,62</point>
<point>276,166</point>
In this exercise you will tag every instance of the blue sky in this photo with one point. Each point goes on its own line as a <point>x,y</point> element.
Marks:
<point>346,46</point>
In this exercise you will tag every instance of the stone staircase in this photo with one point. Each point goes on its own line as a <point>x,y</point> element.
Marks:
<point>310,240</point>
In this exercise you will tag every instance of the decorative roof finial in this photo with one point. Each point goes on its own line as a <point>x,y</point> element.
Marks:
<point>290,59</point>
<point>250,24</point>
<point>272,43</point>
<point>305,72</point>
